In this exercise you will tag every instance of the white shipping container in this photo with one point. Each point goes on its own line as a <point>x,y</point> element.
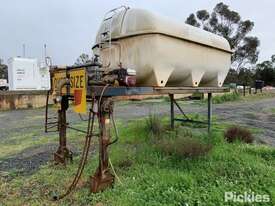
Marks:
<point>24,74</point>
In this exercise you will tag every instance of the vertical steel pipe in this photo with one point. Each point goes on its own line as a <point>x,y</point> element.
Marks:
<point>103,178</point>
<point>209,114</point>
<point>172,111</point>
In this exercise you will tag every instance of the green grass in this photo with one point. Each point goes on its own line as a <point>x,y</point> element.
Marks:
<point>19,141</point>
<point>222,98</point>
<point>152,177</point>
<point>230,97</point>
<point>272,110</point>
<point>235,97</point>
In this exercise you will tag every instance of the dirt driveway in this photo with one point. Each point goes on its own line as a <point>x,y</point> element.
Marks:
<point>255,113</point>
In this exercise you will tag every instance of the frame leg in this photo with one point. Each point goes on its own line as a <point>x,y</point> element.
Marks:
<point>172,111</point>
<point>209,114</point>
<point>63,154</point>
<point>103,177</point>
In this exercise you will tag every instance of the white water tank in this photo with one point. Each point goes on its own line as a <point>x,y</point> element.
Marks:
<point>163,53</point>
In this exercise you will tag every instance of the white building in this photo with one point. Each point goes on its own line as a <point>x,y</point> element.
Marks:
<point>25,74</point>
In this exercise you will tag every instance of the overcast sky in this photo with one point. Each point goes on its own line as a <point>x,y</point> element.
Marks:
<point>68,27</point>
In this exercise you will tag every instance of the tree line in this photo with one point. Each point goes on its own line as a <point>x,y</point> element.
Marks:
<point>262,71</point>
<point>228,23</point>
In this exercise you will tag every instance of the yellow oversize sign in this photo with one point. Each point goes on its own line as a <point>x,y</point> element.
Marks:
<point>78,89</point>
<point>58,76</point>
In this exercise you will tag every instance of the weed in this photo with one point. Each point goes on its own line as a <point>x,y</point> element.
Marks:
<point>183,145</point>
<point>125,163</point>
<point>153,124</point>
<point>166,99</point>
<point>237,133</point>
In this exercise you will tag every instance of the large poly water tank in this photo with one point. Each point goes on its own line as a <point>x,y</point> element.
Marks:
<point>163,53</point>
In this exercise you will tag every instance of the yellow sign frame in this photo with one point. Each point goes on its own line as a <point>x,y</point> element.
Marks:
<point>77,87</point>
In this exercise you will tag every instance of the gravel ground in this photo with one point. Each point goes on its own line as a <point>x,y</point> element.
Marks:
<point>254,113</point>
<point>27,161</point>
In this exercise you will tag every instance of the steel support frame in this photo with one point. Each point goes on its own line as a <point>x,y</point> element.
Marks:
<point>103,177</point>
<point>172,113</point>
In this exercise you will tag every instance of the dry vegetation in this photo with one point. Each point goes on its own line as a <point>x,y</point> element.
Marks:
<point>237,133</point>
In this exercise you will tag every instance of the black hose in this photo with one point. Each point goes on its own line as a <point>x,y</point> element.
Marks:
<point>85,151</point>
<point>84,156</point>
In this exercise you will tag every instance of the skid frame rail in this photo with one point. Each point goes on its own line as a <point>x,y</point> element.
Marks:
<point>130,91</point>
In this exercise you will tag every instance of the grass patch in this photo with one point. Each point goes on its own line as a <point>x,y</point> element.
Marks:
<point>272,110</point>
<point>182,145</point>
<point>152,177</point>
<point>236,96</point>
<point>258,96</point>
<point>153,125</point>
<point>227,97</point>
<point>16,144</point>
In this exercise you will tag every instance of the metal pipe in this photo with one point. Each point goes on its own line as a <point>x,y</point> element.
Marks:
<point>209,116</point>
<point>172,111</point>
<point>46,111</point>
<point>60,85</point>
<point>93,64</point>
<point>182,112</point>
<point>62,153</point>
<point>62,128</point>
